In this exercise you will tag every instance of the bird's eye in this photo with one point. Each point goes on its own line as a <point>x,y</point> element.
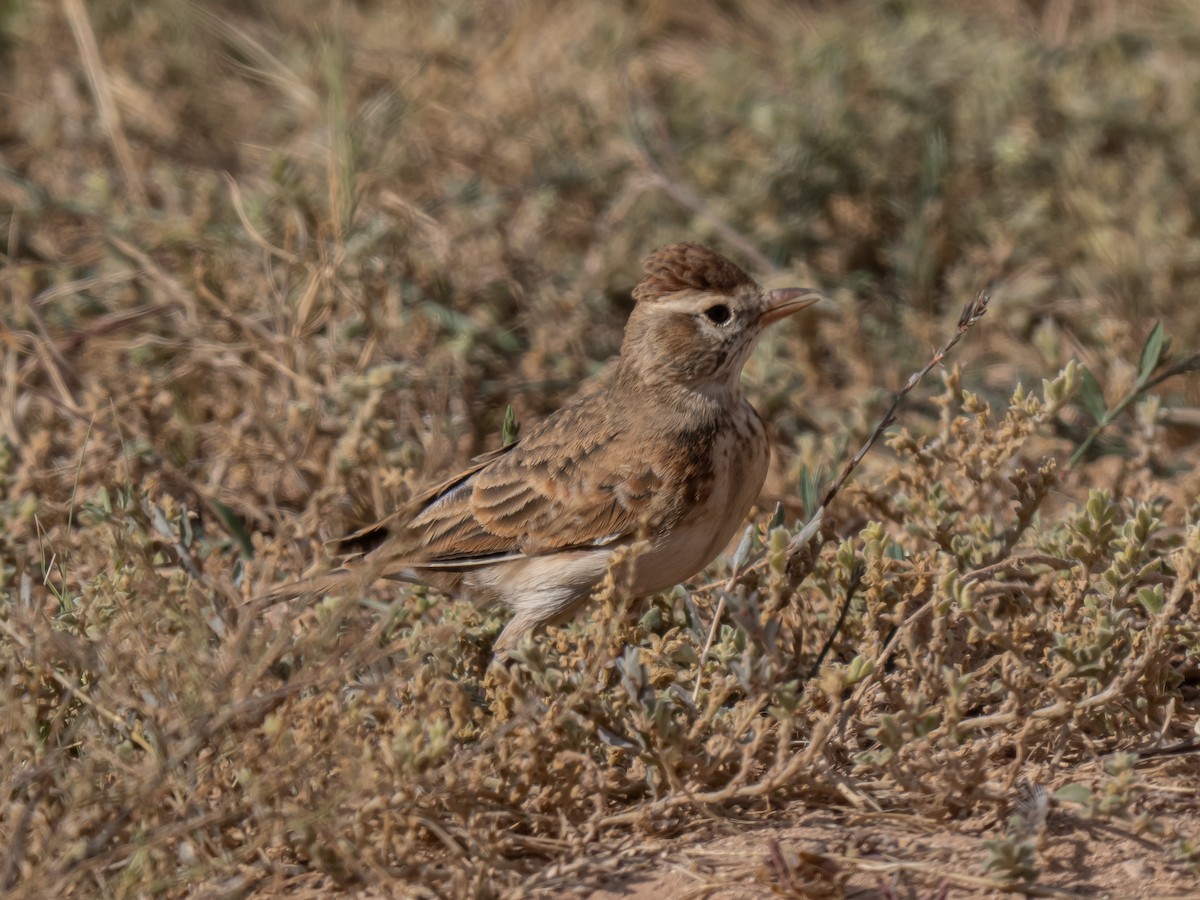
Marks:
<point>719,314</point>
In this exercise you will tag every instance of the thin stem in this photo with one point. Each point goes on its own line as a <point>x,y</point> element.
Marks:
<point>712,629</point>
<point>851,589</point>
<point>1108,419</point>
<point>971,314</point>
<point>1190,364</point>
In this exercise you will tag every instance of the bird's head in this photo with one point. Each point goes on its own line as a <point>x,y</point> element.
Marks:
<point>697,318</point>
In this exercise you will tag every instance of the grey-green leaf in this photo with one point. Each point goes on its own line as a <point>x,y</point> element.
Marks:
<point>743,549</point>
<point>810,489</point>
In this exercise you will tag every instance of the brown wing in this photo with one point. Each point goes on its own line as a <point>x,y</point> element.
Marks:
<point>571,483</point>
<point>395,521</point>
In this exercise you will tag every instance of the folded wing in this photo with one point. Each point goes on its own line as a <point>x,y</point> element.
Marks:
<point>567,487</point>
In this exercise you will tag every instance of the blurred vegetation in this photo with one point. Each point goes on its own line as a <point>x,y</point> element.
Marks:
<point>268,267</point>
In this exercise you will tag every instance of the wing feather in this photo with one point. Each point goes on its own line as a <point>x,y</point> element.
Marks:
<point>566,485</point>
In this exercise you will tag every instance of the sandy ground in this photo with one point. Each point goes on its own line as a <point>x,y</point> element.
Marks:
<point>832,853</point>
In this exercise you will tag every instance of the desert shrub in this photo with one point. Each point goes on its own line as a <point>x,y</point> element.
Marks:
<point>320,250</point>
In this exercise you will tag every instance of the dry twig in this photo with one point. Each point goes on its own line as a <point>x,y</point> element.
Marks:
<point>971,314</point>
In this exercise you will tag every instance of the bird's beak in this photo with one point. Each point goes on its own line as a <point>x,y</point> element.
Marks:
<point>782,302</point>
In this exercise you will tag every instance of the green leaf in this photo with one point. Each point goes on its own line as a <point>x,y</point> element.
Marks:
<point>776,518</point>
<point>1151,599</point>
<point>511,427</point>
<point>1151,353</point>
<point>1079,794</point>
<point>859,668</point>
<point>1092,396</point>
<point>235,525</point>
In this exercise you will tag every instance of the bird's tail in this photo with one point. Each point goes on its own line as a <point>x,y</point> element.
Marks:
<point>335,581</point>
<point>356,575</point>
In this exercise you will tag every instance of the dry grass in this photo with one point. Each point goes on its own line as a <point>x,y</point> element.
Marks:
<point>268,267</point>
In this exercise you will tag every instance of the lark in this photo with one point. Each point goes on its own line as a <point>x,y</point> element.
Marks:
<point>660,466</point>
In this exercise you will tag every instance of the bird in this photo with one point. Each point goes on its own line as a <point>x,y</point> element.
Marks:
<point>657,469</point>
